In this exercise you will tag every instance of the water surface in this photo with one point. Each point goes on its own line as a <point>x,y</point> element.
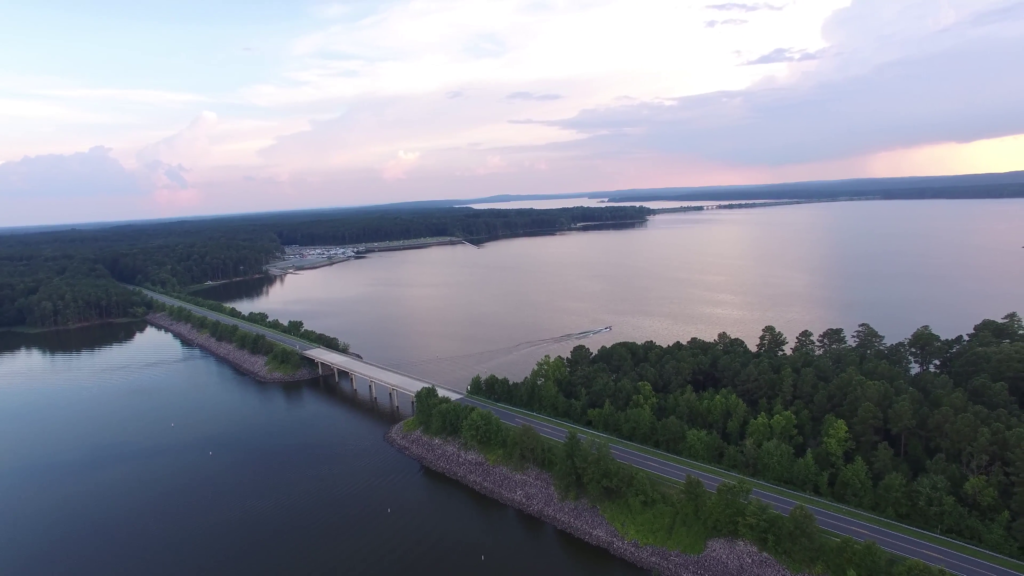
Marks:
<point>124,451</point>
<point>449,312</point>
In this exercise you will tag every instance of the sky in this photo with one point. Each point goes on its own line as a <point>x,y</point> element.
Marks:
<point>114,110</point>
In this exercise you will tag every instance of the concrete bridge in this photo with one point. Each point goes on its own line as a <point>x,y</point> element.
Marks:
<point>394,381</point>
<point>902,540</point>
<point>328,360</point>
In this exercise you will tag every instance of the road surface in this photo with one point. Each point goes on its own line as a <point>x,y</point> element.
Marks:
<point>891,541</point>
<point>838,523</point>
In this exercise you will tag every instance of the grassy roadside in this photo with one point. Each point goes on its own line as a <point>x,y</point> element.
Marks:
<point>965,549</point>
<point>193,307</point>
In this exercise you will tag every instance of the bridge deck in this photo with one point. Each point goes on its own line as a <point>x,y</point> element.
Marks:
<point>379,374</point>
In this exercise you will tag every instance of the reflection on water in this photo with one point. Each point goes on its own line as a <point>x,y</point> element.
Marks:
<point>123,451</point>
<point>78,339</point>
<point>240,289</point>
<point>142,455</point>
<point>896,265</point>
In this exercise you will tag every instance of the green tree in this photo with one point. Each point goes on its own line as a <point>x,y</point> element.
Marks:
<point>835,441</point>
<point>867,340</point>
<point>568,474</point>
<point>901,421</point>
<point>853,485</point>
<point>925,348</point>
<point>832,341</point>
<point>771,342</point>
<point>891,495</point>
<point>804,343</point>
<point>483,430</point>
<point>759,430</point>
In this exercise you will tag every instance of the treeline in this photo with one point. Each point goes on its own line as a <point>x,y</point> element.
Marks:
<point>294,328</point>
<point>382,226</point>
<point>831,191</point>
<point>280,358</point>
<point>676,517</point>
<point>56,293</point>
<point>67,277</point>
<point>927,431</point>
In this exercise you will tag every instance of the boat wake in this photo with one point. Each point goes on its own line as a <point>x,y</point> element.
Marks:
<point>461,367</point>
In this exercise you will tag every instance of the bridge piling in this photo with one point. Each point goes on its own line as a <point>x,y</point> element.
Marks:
<point>373,392</point>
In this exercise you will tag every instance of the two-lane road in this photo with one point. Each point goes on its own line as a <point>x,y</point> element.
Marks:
<point>838,523</point>
<point>270,334</point>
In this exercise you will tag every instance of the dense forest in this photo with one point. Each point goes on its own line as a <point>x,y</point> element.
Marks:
<point>675,517</point>
<point>69,277</point>
<point>927,430</point>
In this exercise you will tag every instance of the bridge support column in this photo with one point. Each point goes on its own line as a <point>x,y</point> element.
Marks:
<point>352,381</point>
<point>320,368</point>
<point>393,397</point>
<point>373,392</point>
<point>336,380</point>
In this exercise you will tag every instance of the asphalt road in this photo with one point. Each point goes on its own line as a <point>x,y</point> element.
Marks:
<point>270,334</point>
<point>891,541</point>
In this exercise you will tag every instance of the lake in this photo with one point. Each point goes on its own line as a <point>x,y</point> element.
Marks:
<point>447,313</point>
<point>124,451</point>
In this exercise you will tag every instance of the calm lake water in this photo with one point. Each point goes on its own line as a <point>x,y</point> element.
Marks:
<point>123,451</point>
<point>268,479</point>
<point>447,313</point>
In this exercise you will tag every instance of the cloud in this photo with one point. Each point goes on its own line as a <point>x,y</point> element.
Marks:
<point>82,174</point>
<point>934,81</point>
<point>156,97</point>
<point>453,94</point>
<point>88,185</point>
<point>728,22</point>
<point>780,55</point>
<point>741,7</point>
<point>190,146</point>
<point>397,168</point>
<point>532,97</point>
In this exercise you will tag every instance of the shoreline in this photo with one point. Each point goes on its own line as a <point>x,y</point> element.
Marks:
<point>253,365</point>
<point>27,330</point>
<point>533,492</point>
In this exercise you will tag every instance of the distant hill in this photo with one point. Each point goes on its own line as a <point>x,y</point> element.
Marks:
<point>998,185</point>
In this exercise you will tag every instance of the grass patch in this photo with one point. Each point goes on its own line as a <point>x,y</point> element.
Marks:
<point>661,526</point>
<point>410,425</point>
<point>283,369</point>
<point>200,310</point>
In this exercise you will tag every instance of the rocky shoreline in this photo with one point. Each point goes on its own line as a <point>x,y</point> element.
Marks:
<point>254,365</point>
<point>533,492</point>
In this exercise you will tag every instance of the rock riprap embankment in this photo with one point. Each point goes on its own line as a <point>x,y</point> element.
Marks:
<point>254,365</point>
<point>533,492</point>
